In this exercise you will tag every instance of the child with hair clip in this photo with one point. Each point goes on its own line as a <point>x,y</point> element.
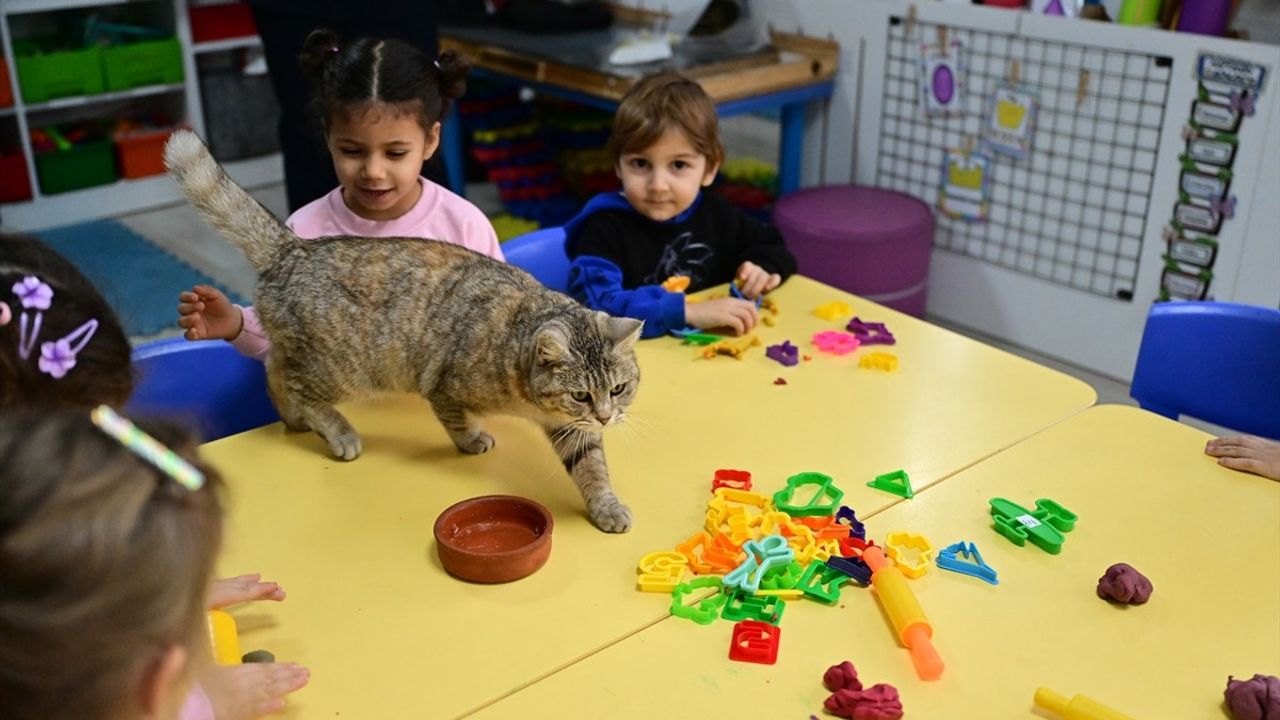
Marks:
<point>61,347</point>
<point>107,542</point>
<point>380,103</point>
<point>666,149</point>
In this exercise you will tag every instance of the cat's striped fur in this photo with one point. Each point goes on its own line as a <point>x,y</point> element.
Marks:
<point>348,317</point>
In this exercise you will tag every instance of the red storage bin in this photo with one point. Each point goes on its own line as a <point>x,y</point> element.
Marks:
<point>15,184</point>
<point>6,90</point>
<point>141,154</point>
<point>219,22</point>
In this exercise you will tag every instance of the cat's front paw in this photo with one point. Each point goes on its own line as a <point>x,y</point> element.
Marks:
<point>613,517</point>
<point>345,445</point>
<point>479,443</point>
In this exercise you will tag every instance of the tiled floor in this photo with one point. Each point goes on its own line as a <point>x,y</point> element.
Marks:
<point>181,230</point>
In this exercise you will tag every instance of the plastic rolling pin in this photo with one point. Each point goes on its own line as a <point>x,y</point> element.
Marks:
<point>904,612</point>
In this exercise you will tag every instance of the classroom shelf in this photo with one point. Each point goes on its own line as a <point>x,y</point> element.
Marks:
<point>181,101</point>
<point>15,7</point>
<point>141,194</point>
<point>251,41</point>
<point>81,100</point>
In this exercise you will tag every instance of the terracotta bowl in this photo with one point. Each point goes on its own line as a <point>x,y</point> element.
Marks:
<point>494,538</point>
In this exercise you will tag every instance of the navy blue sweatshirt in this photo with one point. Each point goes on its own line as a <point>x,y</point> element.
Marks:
<point>620,258</point>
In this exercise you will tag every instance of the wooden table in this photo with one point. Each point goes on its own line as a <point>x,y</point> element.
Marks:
<point>388,634</point>
<point>1207,537</point>
<point>790,73</point>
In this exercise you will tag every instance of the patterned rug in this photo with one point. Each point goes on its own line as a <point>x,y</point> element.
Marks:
<point>140,280</point>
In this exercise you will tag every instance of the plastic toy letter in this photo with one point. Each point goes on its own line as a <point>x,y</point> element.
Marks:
<point>904,612</point>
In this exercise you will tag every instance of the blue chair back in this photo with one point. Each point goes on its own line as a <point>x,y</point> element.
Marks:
<point>541,254</point>
<point>208,386</point>
<point>1219,362</point>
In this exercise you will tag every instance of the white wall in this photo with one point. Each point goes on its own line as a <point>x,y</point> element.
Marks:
<point>1097,332</point>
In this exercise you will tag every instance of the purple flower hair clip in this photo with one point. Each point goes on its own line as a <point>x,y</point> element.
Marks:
<point>33,292</point>
<point>59,356</point>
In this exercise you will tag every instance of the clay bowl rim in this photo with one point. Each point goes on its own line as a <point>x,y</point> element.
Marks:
<point>543,538</point>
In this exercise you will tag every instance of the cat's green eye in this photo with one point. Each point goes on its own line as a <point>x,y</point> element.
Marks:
<point>580,395</point>
<point>617,389</point>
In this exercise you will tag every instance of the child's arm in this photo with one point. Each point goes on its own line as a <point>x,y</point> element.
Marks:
<point>207,314</point>
<point>242,589</point>
<point>1248,453</point>
<point>251,341</point>
<point>764,261</point>
<point>597,283</point>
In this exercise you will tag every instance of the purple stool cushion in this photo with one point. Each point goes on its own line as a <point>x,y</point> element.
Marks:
<point>867,241</point>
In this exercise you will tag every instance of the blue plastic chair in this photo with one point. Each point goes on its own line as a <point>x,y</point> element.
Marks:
<point>541,254</point>
<point>208,386</point>
<point>1219,362</point>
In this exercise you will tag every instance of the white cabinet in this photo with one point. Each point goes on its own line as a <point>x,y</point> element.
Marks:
<point>177,97</point>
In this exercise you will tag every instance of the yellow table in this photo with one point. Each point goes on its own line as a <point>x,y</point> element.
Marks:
<point>1209,539</point>
<point>388,634</point>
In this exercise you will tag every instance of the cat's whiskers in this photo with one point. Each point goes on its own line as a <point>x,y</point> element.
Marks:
<point>636,422</point>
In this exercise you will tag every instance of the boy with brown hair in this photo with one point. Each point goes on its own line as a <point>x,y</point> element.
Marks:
<point>666,149</point>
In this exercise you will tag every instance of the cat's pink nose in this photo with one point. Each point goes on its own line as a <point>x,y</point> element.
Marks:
<point>604,417</point>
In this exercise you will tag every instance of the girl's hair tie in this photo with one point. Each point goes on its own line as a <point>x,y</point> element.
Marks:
<point>335,49</point>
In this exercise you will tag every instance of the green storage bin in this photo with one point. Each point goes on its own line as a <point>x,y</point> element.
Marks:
<point>151,62</point>
<point>46,76</point>
<point>85,165</point>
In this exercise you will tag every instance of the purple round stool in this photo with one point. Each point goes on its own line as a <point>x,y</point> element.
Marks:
<point>867,241</point>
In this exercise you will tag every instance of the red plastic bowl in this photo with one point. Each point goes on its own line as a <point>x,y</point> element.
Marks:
<point>494,538</point>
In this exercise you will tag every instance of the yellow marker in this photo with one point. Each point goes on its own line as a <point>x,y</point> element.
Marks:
<point>1077,708</point>
<point>223,638</point>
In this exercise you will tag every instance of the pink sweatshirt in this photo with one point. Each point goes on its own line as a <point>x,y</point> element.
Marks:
<point>439,214</point>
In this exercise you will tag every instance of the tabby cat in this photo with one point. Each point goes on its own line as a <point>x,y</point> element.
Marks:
<point>348,317</point>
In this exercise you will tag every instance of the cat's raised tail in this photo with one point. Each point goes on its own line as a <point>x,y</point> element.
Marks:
<point>224,204</point>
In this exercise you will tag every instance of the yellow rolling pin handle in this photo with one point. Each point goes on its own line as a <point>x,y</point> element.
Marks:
<point>1077,708</point>
<point>223,638</point>
<point>904,612</point>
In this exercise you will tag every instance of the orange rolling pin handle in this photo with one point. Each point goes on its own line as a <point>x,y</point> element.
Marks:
<point>904,612</point>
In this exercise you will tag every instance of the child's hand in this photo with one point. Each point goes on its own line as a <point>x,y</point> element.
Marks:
<point>737,315</point>
<point>251,690</point>
<point>240,589</point>
<point>754,281</point>
<point>1248,453</point>
<point>207,314</point>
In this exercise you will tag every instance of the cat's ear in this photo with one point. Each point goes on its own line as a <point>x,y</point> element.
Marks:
<point>551,344</point>
<point>624,332</point>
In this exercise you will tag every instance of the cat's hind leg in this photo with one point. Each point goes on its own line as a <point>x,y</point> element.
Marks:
<point>313,401</point>
<point>462,425</point>
<point>583,456</point>
<point>289,413</point>
<point>344,441</point>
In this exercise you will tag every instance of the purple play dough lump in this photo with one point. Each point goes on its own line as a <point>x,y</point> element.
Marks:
<point>841,677</point>
<point>1122,584</point>
<point>878,702</point>
<point>1256,699</point>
